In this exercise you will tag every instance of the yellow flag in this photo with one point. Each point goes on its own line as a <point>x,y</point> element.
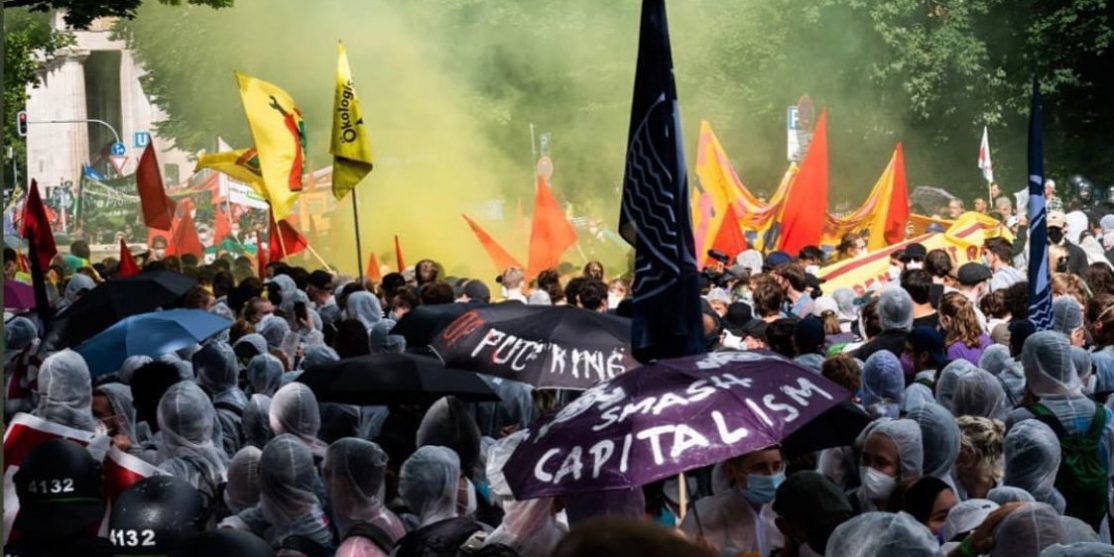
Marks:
<point>279,135</point>
<point>241,165</point>
<point>351,147</point>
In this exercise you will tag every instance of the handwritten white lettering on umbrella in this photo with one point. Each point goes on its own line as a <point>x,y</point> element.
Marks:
<point>669,441</point>
<point>514,352</point>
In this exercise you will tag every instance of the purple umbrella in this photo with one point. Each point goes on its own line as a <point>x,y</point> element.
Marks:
<point>675,415</point>
<point>18,295</point>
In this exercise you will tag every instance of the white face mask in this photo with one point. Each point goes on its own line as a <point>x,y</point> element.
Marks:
<point>613,300</point>
<point>895,273</point>
<point>876,485</point>
<point>915,265</point>
<point>813,270</point>
<point>732,342</point>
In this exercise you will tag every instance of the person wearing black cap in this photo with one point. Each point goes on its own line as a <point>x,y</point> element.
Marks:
<point>973,280</point>
<point>476,292</point>
<point>809,508</point>
<point>61,503</point>
<point>155,516</point>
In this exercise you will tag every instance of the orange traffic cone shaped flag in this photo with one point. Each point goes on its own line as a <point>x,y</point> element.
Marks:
<point>158,208</point>
<point>184,239</point>
<point>803,214</point>
<point>127,268</point>
<point>284,241</point>
<point>730,238</point>
<point>260,256</point>
<point>898,212</point>
<point>551,233</point>
<point>372,272</point>
<point>499,256</point>
<point>398,255</point>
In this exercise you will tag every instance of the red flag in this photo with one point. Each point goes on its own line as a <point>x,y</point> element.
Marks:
<point>260,256</point>
<point>183,237</point>
<point>898,213</point>
<point>550,234</point>
<point>498,255</point>
<point>222,227</point>
<point>158,208</point>
<point>398,255</point>
<point>372,272</point>
<point>35,226</point>
<point>127,267</point>
<point>730,238</point>
<point>284,240</point>
<point>802,215</point>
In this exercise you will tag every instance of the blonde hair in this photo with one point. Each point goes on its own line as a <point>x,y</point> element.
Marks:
<point>985,438</point>
<point>964,326</point>
<point>1067,284</point>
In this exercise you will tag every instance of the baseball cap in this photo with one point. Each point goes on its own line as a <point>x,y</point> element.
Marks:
<point>477,290</point>
<point>777,258</point>
<point>914,251</point>
<point>59,486</point>
<point>966,516</point>
<point>1057,219</point>
<point>972,273</point>
<point>824,303</point>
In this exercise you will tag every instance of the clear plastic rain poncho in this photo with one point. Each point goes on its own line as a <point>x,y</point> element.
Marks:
<point>996,359</point>
<point>877,534</point>
<point>288,504</point>
<point>265,374</point>
<point>353,471</point>
<point>1032,456</point>
<point>286,284</point>
<point>529,527</point>
<point>242,491</point>
<point>273,329</point>
<point>515,406</point>
<point>1084,368</point>
<point>186,419</point>
<point>250,345</point>
<point>895,309</point>
<point>294,411</point>
<point>949,379</point>
<point>1009,494</point>
<point>319,355</point>
<point>1027,531</point>
<point>1076,530</point>
<point>77,283</point>
<point>66,391</point>
<point>365,307</point>
<point>218,372</point>
<point>429,482</point>
<point>1049,370</point>
<point>120,397</point>
<point>449,424</point>
<point>1079,549</point>
<point>940,438</point>
<point>1067,316</point>
<point>21,343</point>
<point>906,435</point>
<point>980,394</point>
<point>256,421</point>
<point>131,363</point>
<point>883,385</point>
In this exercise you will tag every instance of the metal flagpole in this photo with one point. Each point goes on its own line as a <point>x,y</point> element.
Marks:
<point>359,248</point>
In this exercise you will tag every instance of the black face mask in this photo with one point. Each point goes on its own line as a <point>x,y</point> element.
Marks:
<point>1055,235</point>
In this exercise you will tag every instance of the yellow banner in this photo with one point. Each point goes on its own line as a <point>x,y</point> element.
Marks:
<point>871,216</point>
<point>241,165</point>
<point>351,147</point>
<point>963,241</point>
<point>278,132</point>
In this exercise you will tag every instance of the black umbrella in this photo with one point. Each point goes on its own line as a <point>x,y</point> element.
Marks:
<point>837,427</point>
<point>545,346</point>
<point>393,379</point>
<point>422,323</point>
<point>116,299</point>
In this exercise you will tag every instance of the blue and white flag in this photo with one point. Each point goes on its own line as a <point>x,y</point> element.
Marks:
<point>655,216</point>
<point>1040,280</point>
<point>91,173</point>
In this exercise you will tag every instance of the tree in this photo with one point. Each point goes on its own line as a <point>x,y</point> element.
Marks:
<point>80,13</point>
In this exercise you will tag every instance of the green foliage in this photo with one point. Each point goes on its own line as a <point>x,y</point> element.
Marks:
<point>80,13</point>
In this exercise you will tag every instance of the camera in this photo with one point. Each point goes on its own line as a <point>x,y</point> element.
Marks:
<point>718,275</point>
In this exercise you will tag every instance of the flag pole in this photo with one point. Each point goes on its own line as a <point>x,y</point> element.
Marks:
<point>319,258</point>
<point>359,248</point>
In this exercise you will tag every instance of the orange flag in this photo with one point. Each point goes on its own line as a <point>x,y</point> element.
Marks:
<point>260,256</point>
<point>127,268</point>
<point>802,215</point>
<point>898,212</point>
<point>284,240</point>
<point>551,233</point>
<point>499,256</point>
<point>398,255</point>
<point>730,238</point>
<point>222,227</point>
<point>372,272</point>
<point>158,208</point>
<point>183,237</point>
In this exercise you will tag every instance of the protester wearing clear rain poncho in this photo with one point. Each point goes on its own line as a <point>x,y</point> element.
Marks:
<point>242,491</point>
<point>218,373</point>
<point>264,374</point>
<point>980,394</point>
<point>288,504</point>
<point>997,361</point>
<point>354,470</point>
<point>21,342</point>
<point>883,385</point>
<point>1032,456</point>
<point>365,307</point>
<point>66,391</point>
<point>529,527</point>
<point>891,452</point>
<point>430,485</point>
<point>878,534</point>
<point>186,418</point>
<point>940,439</point>
<point>256,423</point>
<point>120,421</point>
<point>294,411</point>
<point>1027,531</point>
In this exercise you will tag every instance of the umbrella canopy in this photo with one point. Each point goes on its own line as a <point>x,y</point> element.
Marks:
<point>675,415</point>
<point>420,325</point>
<point>119,298</point>
<point>386,378</point>
<point>149,334</point>
<point>18,295</point>
<point>545,346</point>
<point>931,199</point>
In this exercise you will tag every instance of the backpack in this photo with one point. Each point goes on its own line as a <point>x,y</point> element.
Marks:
<point>372,533</point>
<point>1082,478</point>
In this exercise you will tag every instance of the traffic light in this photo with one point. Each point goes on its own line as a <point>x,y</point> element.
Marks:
<point>21,123</point>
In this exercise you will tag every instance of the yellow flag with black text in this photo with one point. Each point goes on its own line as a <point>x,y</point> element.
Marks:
<point>279,135</point>
<point>351,147</point>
